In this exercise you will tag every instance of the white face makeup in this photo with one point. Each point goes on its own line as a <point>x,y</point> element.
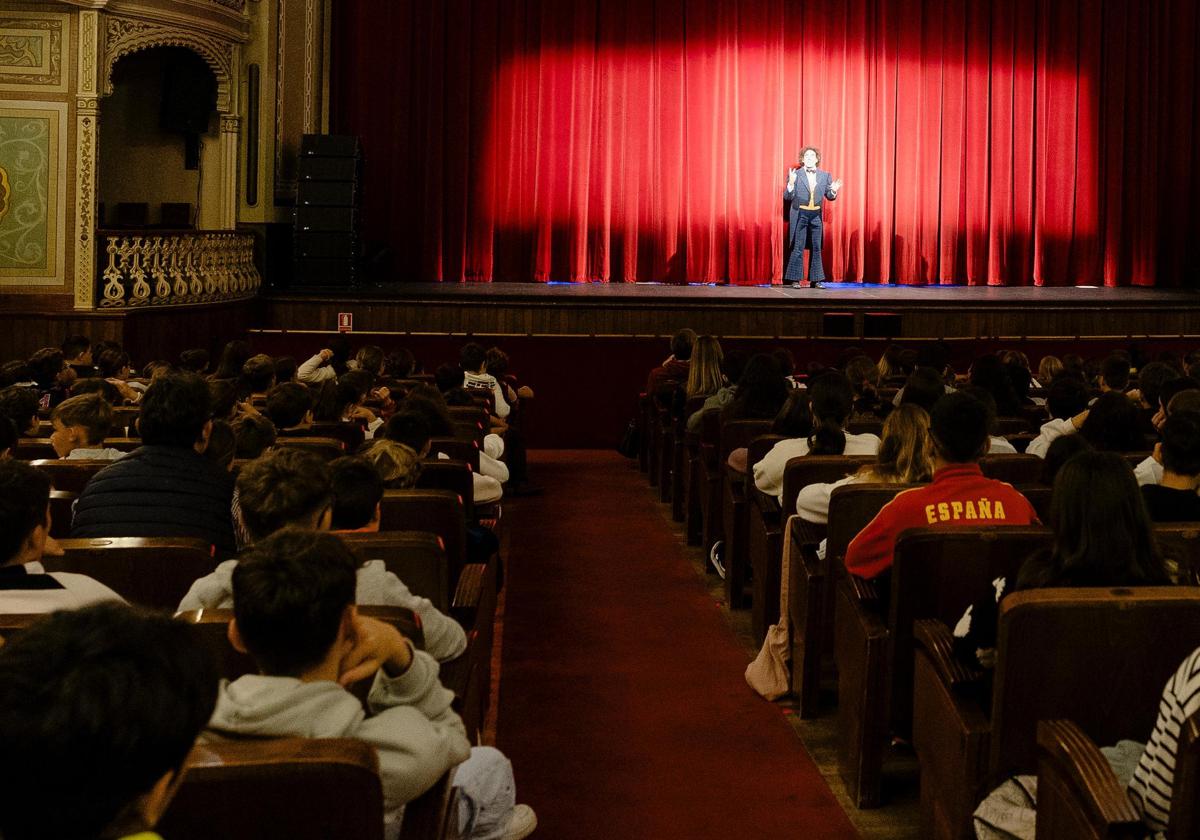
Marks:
<point>809,160</point>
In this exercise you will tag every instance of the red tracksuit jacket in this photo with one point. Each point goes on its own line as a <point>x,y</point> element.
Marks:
<point>959,495</point>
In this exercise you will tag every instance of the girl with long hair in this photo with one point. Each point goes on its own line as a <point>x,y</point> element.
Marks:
<point>704,374</point>
<point>831,399</point>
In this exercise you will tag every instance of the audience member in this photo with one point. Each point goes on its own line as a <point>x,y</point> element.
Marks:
<point>400,467</point>
<point>156,368</point>
<point>258,376</point>
<point>831,400</point>
<point>194,361</point>
<point>959,494</point>
<point>285,369</point>
<point>52,376</point>
<point>732,365</point>
<point>8,438</point>
<point>704,377</point>
<point>253,435</point>
<point>1048,369</point>
<point>25,586</point>
<point>291,488</point>
<point>400,364</point>
<point>997,445</point>
<point>923,388</point>
<point>233,358</point>
<point>863,375</point>
<point>903,458</point>
<point>289,406</point>
<point>1173,498</point>
<point>1114,373</point>
<point>1152,787</point>
<point>77,350</point>
<point>673,372</point>
<point>1058,453</point>
<point>96,385</point>
<point>294,613</point>
<point>80,426</point>
<point>761,391</point>
<point>473,360</point>
<point>989,373</point>
<point>370,359</point>
<point>166,487</point>
<point>1111,424</point>
<point>317,369</point>
<point>1102,537</point>
<point>100,708</point>
<point>222,445</point>
<point>20,405</point>
<point>1066,400</point>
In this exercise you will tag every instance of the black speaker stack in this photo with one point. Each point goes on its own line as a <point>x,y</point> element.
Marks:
<point>328,245</point>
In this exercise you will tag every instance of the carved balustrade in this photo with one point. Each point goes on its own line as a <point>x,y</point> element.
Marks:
<point>162,267</point>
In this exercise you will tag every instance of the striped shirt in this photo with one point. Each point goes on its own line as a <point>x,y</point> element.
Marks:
<point>1150,788</point>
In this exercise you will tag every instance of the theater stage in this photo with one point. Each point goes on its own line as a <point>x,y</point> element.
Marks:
<point>835,310</point>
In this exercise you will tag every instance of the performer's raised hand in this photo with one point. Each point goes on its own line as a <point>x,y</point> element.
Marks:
<point>836,185</point>
<point>792,177</point>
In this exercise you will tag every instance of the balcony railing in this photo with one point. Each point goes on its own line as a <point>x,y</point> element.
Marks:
<point>165,267</point>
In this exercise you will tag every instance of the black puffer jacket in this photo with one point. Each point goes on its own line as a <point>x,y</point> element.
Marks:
<point>158,491</point>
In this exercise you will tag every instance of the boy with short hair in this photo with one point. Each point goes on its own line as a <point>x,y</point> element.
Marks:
<point>291,488</point>
<point>473,359</point>
<point>101,707</point>
<point>80,426</point>
<point>289,405</point>
<point>294,613</point>
<point>25,586</point>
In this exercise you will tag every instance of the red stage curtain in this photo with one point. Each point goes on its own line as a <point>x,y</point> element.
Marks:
<point>1007,142</point>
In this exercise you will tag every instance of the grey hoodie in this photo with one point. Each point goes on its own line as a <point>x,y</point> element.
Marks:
<point>416,734</point>
<point>377,587</point>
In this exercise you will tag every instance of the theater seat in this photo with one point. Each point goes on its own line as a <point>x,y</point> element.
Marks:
<point>1097,656</point>
<point>151,571</point>
<point>1080,798</point>
<point>71,476</point>
<point>298,788</point>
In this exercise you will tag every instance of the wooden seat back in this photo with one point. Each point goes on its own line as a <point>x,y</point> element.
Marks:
<point>1096,656</point>
<point>325,447</point>
<point>418,558</point>
<point>457,449</point>
<point>62,508</point>
<point>32,449</point>
<point>1014,469</point>
<point>350,434</point>
<point>938,573</point>
<point>455,476</point>
<point>439,512</point>
<point>303,789</point>
<point>737,434</point>
<point>151,571</point>
<point>851,508</point>
<point>71,476</point>
<point>1011,425</point>
<point>1039,496</point>
<point>816,469</point>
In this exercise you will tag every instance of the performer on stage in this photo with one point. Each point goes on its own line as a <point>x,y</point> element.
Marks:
<point>807,188</point>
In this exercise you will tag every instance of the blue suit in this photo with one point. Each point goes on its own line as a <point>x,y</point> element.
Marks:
<point>802,209</point>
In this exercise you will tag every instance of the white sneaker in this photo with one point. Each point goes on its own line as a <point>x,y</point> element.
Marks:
<point>522,823</point>
<point>714,557</point>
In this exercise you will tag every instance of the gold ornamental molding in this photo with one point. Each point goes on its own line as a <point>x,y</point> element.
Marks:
<point>124,36</point>
<point>153,268</point>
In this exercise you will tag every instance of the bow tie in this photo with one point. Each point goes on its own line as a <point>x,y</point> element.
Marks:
<point>810,171</point>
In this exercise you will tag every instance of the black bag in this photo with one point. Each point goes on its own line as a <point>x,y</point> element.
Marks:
<point>630,444</point>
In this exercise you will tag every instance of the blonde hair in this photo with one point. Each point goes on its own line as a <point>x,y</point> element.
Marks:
<point>398,465</point>
<point>904,451</point>
<point>704,373</point>
<point>1050,367</point>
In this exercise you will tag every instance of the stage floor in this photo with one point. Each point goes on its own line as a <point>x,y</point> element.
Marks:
<point>745,311</point>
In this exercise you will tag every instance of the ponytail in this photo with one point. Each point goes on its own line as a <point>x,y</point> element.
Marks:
<point>827,438</point>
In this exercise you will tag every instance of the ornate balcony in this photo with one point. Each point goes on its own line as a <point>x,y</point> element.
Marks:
<point>164,268</point>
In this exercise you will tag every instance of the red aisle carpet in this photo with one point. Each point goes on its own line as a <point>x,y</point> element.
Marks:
<point>622,702</point>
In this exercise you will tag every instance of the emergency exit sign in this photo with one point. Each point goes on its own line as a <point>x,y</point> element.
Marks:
<point>345,321</point>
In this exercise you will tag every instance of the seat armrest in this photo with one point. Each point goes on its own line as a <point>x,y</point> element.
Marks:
<point>1076,780</point>
<point>864,591</point>
<point>935,638</point>
<point>470,587</point>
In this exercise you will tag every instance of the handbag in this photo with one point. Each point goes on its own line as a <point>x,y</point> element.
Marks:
<point>630,444</point>
<point>770,673</point>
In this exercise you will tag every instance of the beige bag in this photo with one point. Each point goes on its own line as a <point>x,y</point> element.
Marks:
<point>770,673</point>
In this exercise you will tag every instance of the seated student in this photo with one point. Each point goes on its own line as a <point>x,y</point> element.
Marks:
<point>1152,786</point>
<point>318,368</point>
<point>96,385</point>
<point>77,350</point>
<point>289,407</point>
<point>293,488</point>
<point>497,366</point>
<point>80,426</point>
<point>222,445</point>
<point>1066,399</point>
<point>1177,395</point>
<point>732,365</point>
<point>285,369</point>
<point>101,708</point>
<point>194,361</point>
<point>863,375</point>
<point>674,370</point>
<point>20,405</point>
<point>253,435</point>
<point>411,427</point>
<point>397,464</point>
<point>293,602</point>
<point>113,364</point>
<point>473,359</point>
<point>488,486</point>
<point>1063,449</point>
<point>1114,373</point>
<point>25,586</point>
<point>1102,537</point>
<point>52,376</point>
<point>903,458</point>
<point>959,494</point>
<point>1110,424</point>
<point>997,445</point>
<point>258,376</point>
<point>156,368</point>
<point>166,487</point>
<point>831,399</point>
<point>989,373</point>
<point>924,387</point>
<point>1174,499</point>
<point>357,492</point>
<point>1048,370</point>
<point>342,402</point>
